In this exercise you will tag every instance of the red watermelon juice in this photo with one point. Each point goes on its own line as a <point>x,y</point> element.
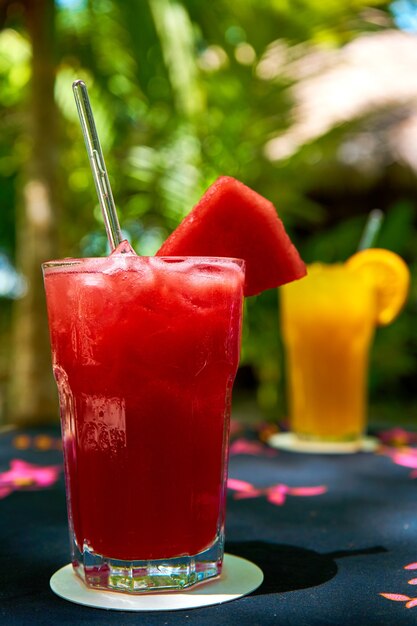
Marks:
<point>145,352</point>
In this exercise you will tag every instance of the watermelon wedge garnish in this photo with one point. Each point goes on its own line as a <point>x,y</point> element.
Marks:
<point>232,220</point>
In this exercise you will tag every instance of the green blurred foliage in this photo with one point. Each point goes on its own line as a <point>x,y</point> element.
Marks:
<point>178,101</point>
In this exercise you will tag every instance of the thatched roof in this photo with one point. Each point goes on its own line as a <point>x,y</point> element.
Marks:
<point>373,74</point>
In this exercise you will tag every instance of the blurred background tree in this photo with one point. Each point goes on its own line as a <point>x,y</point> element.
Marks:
<point>313,106</point>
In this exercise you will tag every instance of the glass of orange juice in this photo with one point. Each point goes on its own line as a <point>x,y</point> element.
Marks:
<point>328,321</point>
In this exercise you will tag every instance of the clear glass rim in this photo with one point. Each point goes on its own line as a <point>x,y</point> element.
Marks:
<point>74,262</point>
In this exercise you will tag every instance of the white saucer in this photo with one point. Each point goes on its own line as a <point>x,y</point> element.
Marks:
<point>288,441</point>
<point>239,577</point>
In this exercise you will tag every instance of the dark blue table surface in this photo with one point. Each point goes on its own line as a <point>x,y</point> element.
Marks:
<point>331,534</point>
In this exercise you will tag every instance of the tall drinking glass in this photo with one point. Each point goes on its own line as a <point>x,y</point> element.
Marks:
<point>328,322</point>
<point>145,352</point>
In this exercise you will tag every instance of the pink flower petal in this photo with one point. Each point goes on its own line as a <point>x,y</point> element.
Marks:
<point>239,485</point>
<point>241,495</point>
<point>397,597</point>
<point>280,487</point>
<point>411,566</point>
<point>405,459</point>
<point>42,476</point>
<point>276,497</point>
<point>242,489</point>
<point>412,603</point>
<point>397,437</point>
<point>307,491</point>
<point>45,476</point>
<point>243,446</point>
<point>412,581</point>
<point>5,491</point>
<point>277,489</point>
<point>275,494</point>
<point>23,475</point>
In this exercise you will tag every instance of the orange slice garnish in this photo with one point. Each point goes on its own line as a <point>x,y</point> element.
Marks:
<point>390,277</point>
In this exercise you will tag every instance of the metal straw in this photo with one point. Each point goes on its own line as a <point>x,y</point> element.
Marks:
<point>98,166</point>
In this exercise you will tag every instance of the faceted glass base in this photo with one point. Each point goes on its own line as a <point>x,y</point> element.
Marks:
<point>173,574</point>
